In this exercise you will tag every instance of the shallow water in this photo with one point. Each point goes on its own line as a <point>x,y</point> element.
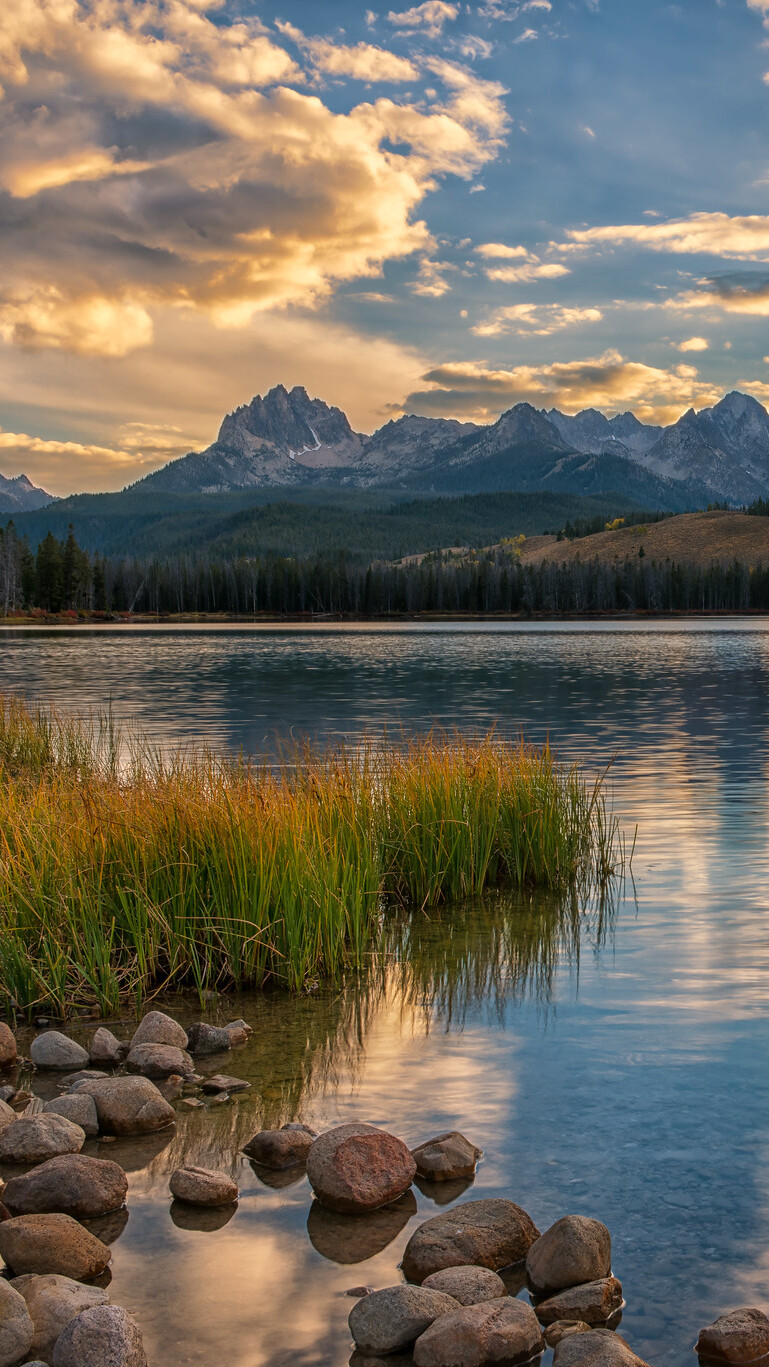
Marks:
<point>616,1069</point>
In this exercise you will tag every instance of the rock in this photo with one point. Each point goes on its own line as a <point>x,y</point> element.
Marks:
<point>52,1243</point>
<point>52,1302</point>
<point>105,1336</point>
<point>34,1138</point>
<point>237,1036</point>
<point>82,1075</point>
<point>54,1050</point>
<point>209,1039</point>
<point>385,1321</point>
<point>158,1028</point>
<point>73,1184</point>
<point>468,1285</point>
<point>158,1060</point>
<point>107,1048</point>
<point>358,1291</point>
<point>490,1233</point>
<point>593,1302</point>
<point>239,1025</point>
<point>7,1046</point>
<point>128,1105</point>
<point>561,1329</point>
<point>446,1157</point>
<point>356,1168</point>
<point>504,1331</point>
<point>203,1187</point>
<point>281,1148</point>
<point>7,1115</point>
<point>221,1083</point>
<point>739,1336</point>
<point>81,1110</point>
<point>598,1348</point>
<point>16,1327</point>
<point>348,1239</point>
<point>6,1092</point>
<point>572,1251</point>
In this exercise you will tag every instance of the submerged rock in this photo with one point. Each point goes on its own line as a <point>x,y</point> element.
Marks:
<point>53,1302</point>
<point>74,1184</point>
<point>281,1148</point>
<point>357,1168</point>
<point>158,1060</point>
<point>468,1285</point>
<point>52,1243</point>
<point>219,1082</point>
<point>203,1187</point>
<point>598,1348</point>
<point>128,1105</point>
<point>489,1233</point>
<point>594,1302</point>
<point>8,1051</point>
<point>16,1327</point>
<point>561,1329</point>
<point>104,1336</point>
<point>54,1050</point>
<point>107,1048</point>
<point>572,1251</point>
<point>446,1157</point>
<point>504,1331</point>
<point>239,1025</point>
<point>386,1321</point>
<point>740,1336</point>
<point>81,1110</point>
<point>158,1028</point>
<point>208,1039</point>
<point>34,1138</point>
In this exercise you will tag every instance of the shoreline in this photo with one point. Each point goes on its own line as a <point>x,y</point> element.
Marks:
<point>67,619</point>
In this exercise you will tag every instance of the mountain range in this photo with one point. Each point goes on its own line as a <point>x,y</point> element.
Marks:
<point>21,495</point>
<point>288,440</point>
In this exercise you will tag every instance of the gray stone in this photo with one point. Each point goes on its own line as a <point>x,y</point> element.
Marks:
<point>203,1187</point>
<point>34,1138</point>
<point>16,1327</point>
<point>598,1348</point>
<point>105,1336</point>
<point>107,1048</point>
<point>594,1302</point>
<point>281,1148</point>
<point>489,1233</point>
<point>128,1105</point>
<point>239,1025</point>
<point>53,1301</point>
<point>209,1039</point>
<point>386,1321</point>
<point>356,1168</point>
<point>158,1060</point>
<point>561,1329</point>
<point>739,1336</point>
<point>74,1184</point>
<point>52,1243</point>
<point>446,1157</point>
<point>501,1331</point>
<point>468,1285</point>
<point>158,1028</point>
<point>219,1082</point>
<point>572,1251</point>
<point>54,1050</point>
<point>8,1051</point>
<point>82,1075</point>
<point>81,1110</point>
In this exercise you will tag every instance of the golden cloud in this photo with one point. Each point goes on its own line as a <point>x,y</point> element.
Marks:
<point>744,237</point>
<point>534,320</point>
<point>694,344</point>
<point>430,16</point>
<point>362,61</point>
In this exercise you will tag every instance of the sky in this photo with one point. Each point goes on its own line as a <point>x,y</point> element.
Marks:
<point>443,209</point>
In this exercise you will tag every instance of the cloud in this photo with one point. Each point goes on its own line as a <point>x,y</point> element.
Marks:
<point>498,251</point>
<point>47,463</point>
<point>534,320</point>
<point>493,9</point>
<point>745,293</point>
<point>430,16</point>
<point>430,282</point>
<point>362,61</point>
<point>528,36</point>
<point>534,270</point>
<point>166,160</point>
<point>472,390</point>
<point>744,237</point>
<point>694,344</point>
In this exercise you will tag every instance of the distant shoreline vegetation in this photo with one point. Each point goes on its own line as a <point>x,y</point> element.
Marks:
<point>123,871</point>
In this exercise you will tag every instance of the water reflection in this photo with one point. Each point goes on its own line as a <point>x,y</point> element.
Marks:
<point>350,1239</point>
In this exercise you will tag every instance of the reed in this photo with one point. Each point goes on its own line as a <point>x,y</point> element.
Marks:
<point>123,871</point>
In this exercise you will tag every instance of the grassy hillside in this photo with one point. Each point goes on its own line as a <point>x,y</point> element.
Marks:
<point>698,539</point>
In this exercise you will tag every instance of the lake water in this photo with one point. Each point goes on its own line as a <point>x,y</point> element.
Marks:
<point>618,1067</point>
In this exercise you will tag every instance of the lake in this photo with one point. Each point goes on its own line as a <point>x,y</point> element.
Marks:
<point>614,1066</point>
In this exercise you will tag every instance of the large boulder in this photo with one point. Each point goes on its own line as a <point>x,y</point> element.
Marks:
<point>54,1050</point>
<point>107,1049</point>
<point>386,1321</point>
<point>503,1331</point>
<point>209,1039</point>
<point>81,1110</point>
<point>128,1105</point>
<point>158,1060</point>
<point>73,1184</point>
<point>203,1187</point>
<point>598,1348</point>
<point>490,1233</point>
<point>105,1336</point>
<point>52,1302</point>
<point>468,1285</point>
<point>158,1028</point>
<point>739,1336</point>
<point>356,1168</point>
<point>446,1157</point>
<point>8,1052</point>
<point>52,1243</point>
<point>572,1251</point>
<point>16,1327</point>
<point>594,1302</point>
<point>561,1329</point>
<point>281,1148</point>
<point>34,1138</point>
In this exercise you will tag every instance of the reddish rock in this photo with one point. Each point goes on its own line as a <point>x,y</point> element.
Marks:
<point>281,1148</point>
<point>740,1336</point>
<point>446,1157</point>
<point>7,1046</point>
<point>355,1168</point>
<point>594,1302</point>
<point>52,1243</point>
<point>572,1251</point>
<point>503,1331</point>
<point>490,1233</point>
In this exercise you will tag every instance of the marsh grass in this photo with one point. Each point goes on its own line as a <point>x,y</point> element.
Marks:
<point>123,871</point>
